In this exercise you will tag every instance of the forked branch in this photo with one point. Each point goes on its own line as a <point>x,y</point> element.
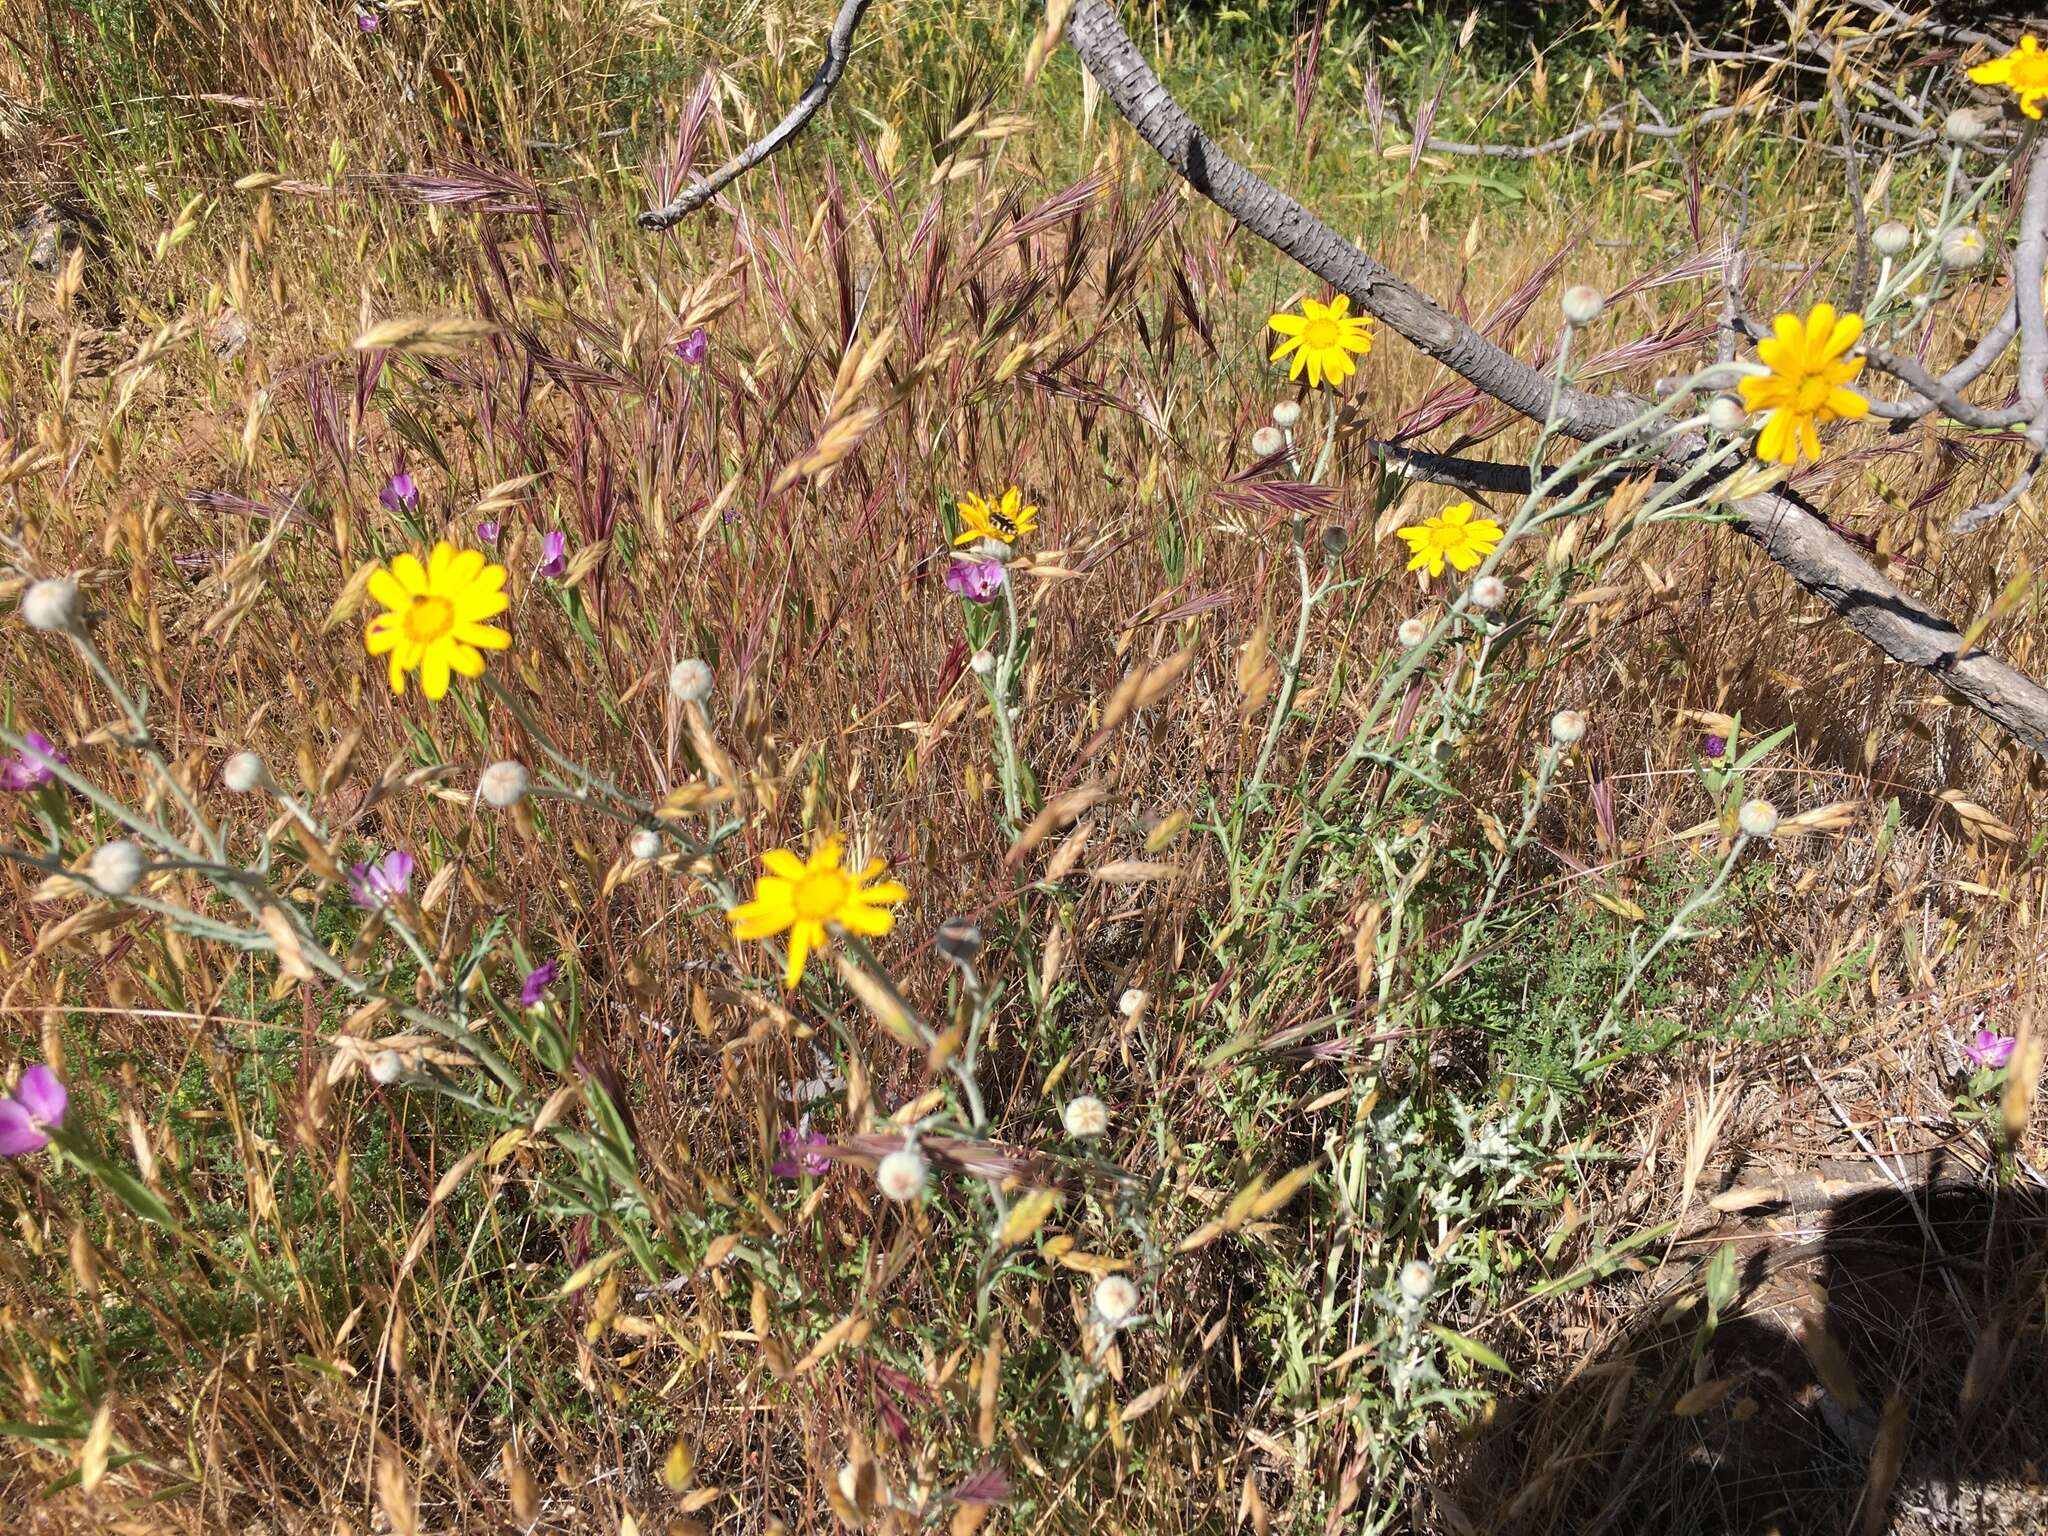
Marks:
<point>838,47</point>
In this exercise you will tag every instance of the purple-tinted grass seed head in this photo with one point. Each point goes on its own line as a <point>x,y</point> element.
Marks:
<point>975,580</point>
<point>537,982</point>
<point>381,882</point>
<point>36,1109</point>
<point>554,555</point>
<point>695,347</point>
<point>1988,1048</point>
<point>31,767</point>
<point>401,493</point>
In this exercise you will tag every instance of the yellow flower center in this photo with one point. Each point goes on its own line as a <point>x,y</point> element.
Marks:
<point>428,619</point>
<point>2029,71</point>
<point>1321,334</point>
<point>819,897</point>
<point>1809,393</point>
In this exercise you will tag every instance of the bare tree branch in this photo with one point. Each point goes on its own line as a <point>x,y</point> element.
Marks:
<point>838,46</point>
<point>1819,559</point>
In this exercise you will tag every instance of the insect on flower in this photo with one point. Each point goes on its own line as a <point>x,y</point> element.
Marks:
<point>435,619</point>
<point>807,900</point>
<point>1004,519</point>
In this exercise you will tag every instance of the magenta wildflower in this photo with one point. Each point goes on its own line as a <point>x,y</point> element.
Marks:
<point>1714,748</point>
<point>30,768</point>
<point>537,983</point>
<point>367,22</point>
<point>487,531</point>
<point>36,1109</point>
<point>554,554</point>
<point>975,580</point>
<point>401,493</point>
<point>377,884</point>
<point>695,347</point>
<point>799,1159</point>
<point>1988,1048</point>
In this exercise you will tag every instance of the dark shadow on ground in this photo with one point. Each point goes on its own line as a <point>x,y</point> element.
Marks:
<point>1943,1321</point>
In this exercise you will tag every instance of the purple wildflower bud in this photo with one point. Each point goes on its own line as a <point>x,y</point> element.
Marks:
<point>1714,748</point>
<point>487,531</point>
<point>695,347</point>
<point>798,1158</point>
<point>1988,1048</point>
<point>377,884</point>
<point>400,494</point>
<point>367,22</point>
<point>975,580</point>
<point>36,1109</point>
<point>30,768</point>
<point>537,983</point>
<point>554,555</point>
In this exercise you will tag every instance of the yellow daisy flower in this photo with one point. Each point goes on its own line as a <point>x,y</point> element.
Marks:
<point>1805,385</point>
<point>1454,534</point>
<point>807,900</point>
<point>1322,338</point>
<point>2024,71</point>
<point>1005,521</point>
<point>435,625</point>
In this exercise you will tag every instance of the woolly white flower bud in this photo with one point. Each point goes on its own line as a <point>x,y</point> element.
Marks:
<point>1567,727</point>
<point>1964,248</point>
<point>1085,1118</point>
<point>503,784</point>
<point>1286,413</point>
<point>1757,818</point>
<point>115,867</point>
<point>1965,125</point>
<point>1115,1299</point>
<point>387,1067</point>
<point>996,550</point>
<point>242,773</point>
<point>51,604</point>
<point>689,681</point>
<point>1725,414</point>
<point>983,663</point>
<point>1489,592</point>
<point>1267,441</point>
<point>1891,238</point>
<point>1411,633</point>
<point>1418,1279</point>
<point>902,1175</point>
<point>1582,305</point>
<point>645,843</point>
<point>1133,1002</point>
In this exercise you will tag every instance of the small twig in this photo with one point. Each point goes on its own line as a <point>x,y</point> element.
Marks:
<point>838,46</point>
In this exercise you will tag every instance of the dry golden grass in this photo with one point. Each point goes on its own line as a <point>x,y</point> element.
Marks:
<point>200,428</point>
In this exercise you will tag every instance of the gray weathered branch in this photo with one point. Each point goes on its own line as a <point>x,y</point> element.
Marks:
<point>1819,559</point>
<point>838,46</point>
